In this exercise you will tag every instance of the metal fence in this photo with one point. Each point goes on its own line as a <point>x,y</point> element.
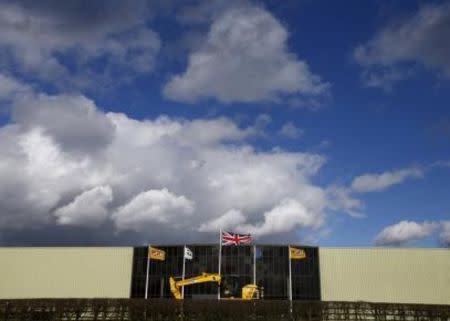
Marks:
<point>193,310</point>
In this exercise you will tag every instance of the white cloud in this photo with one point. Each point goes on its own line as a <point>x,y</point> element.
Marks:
<point>88,208</point>
<point>167,175</point>
<point>10,87</point>
<point>286,216</point>
<point>73,121</point>
<point>379,182</point>
<point>445,233</point>
<point>229,220</point>
<point>340,198</point>
<point>404,232</point>
<point>416,39</point>
<point>244,59</point>
<point>153,206</point>
<point>101,39</point>
<point>36,175</point>
<point>289,130</point>
<point>384,78</point>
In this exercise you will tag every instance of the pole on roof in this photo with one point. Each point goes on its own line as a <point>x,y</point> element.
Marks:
<point>290,274</point>
<point>290,281</point>
<point>184,270</point>
<point>220,261</point>
<point>146,275</point>
<point>254,264</point>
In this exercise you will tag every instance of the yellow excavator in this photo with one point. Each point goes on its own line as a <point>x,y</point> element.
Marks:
<point>248,292</point>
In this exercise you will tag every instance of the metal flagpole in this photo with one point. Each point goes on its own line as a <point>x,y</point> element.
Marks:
<point>254,264</point>
<point>290,274</point>
<point>146,277</point>
<point>220,261</point>
<point>184,270</point>
<point>290,281</point>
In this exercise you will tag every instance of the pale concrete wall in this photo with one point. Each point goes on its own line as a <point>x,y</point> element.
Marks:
<point>385,275</point>
<point>65,272</point>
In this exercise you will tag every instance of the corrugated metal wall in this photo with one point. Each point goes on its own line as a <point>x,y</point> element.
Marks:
<point>346,274</point>
<point>385,275</point>
<point>65,272</point>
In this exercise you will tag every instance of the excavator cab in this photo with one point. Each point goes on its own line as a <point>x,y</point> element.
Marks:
<point>230,287</point>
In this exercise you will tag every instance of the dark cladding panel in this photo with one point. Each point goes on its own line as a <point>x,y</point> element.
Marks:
<point>305,276</point>
<point>272,271</point>
<point>138,273</point>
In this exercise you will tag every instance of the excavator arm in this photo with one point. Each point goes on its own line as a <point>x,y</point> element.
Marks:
<point>175,286</point>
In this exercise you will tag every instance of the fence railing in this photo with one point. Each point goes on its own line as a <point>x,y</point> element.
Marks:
<point>210,310</point>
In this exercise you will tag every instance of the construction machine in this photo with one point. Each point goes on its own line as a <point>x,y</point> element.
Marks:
<point>229,287</point>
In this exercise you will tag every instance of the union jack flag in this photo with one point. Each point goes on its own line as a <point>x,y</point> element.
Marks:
<point>235,239</point>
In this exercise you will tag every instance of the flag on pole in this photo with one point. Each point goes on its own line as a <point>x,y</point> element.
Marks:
<point>229,238</point>
<point>259,252</point>
<point>188,253</point>
<point>156,254</point>
<point>296,254</point>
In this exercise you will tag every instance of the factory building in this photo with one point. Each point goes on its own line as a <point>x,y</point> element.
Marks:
<point>393,275</point>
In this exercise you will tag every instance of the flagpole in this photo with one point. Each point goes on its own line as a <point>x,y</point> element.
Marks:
<point>290,274</point>
<point>146,275</point>
<point>254,264</point>
<point>220,261</point>
<point>290,282</point>
<point>184,270</point>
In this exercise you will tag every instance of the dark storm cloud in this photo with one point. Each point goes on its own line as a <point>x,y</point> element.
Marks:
<point>57,235</point>
<point>102,40</point>
<point>67,236</point>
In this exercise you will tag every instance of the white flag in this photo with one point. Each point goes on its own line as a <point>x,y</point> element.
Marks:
<point>188,253</point>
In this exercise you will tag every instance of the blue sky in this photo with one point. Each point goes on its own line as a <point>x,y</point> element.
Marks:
<point>301,121</point>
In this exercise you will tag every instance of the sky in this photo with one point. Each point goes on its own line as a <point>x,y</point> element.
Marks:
<point>310,122</point>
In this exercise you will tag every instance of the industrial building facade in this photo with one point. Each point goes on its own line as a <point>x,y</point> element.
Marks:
<point>328,274</point>
<point>272,265</point>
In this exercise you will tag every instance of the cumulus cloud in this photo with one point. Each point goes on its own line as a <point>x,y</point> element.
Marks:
<point>231,219</point>
<point>90,207</point>
<point>73,121</point>
<point>153,206</point>
<point>379,182</point>
<point>289,130</point>
<point>244,58</point>
<point>155,177</point>
<point>404,232</point>
<point>445,233</point>
<point>341,198</point>
<point>36,174</point>
<point>416,39</point>
<point>286,216</point>
<point>11,87</point>
<point>101,38</point>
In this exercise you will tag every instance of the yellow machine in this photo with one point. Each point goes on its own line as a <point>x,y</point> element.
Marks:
<point>248,292</point>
